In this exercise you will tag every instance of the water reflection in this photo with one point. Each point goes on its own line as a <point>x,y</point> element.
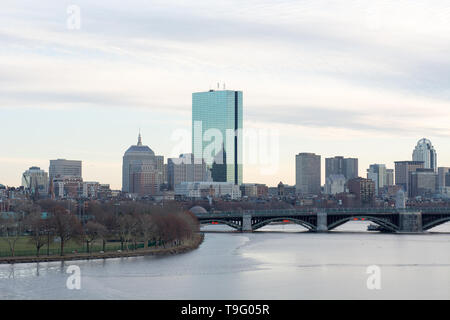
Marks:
<point>276,262</point>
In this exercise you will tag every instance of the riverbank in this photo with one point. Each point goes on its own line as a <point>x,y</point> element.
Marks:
<point>188,246</point>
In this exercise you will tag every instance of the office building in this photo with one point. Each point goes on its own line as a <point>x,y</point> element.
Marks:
<point>186,169</point>
<point>65,168</point>
<point>254,190</point>
<point>348,167</point>
<point>200,190</point>
<point>35,181</point>
<point>160,167</point>
<point>423,183</point>
<point>217,122</point>
<point>142,170</point>
<point>307,174</point>
<point>425,152</point>
<point>403,170</point>
<point>442,172</point>
<point>389,177</point>
<point>381,176</point>
<point>363,189</point>
<point>145,178</point>
<point>67,187</point>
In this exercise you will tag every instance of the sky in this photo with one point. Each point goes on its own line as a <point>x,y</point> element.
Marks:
<point>80,78</point>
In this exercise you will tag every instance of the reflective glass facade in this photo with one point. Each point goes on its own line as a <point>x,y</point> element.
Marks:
<point>216,117</point>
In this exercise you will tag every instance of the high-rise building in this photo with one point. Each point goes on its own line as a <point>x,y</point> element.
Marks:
<point>36,181</point>
<point>219,167</point>
<point>402,171</point>
<point>307,174</point>
<point>65,168</point>
<point>142,171</point>
<point>442,172</point>
<point>378,173</point>
<point>217,125</point>
<point>160,165</point>
<point>145,178</point>
<point>425,152</point>
<point>186,169</point>
<point>389,177</point>
<point>423,182</point>
<point>348,167</point>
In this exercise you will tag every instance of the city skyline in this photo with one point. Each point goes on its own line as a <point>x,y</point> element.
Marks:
<point>362,170</point>
<point>83,93</point>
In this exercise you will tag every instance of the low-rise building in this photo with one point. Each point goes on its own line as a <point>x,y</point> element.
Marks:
<point>195,190</point>
<point>254,190</point>
<point>363,189</point>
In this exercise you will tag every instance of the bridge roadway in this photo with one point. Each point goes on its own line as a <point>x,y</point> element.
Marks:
<point>409,220</point>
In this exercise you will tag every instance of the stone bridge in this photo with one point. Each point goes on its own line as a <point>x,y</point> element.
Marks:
<point>409,220</point>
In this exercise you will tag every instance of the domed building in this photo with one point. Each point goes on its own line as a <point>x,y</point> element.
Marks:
<point>198,210</point>
<point>425,152</point>
<point>142,170</point>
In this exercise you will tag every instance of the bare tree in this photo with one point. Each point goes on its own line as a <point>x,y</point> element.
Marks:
<point>66,225</point>
<point>105,215</point>
<point>93,231</point>
<point>146,227</point>
<point>11,229</point>
<point>38,228</point>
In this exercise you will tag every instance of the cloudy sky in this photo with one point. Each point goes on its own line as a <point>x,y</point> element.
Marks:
<point>364,79</point>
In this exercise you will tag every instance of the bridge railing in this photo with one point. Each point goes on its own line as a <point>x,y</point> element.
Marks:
<point>310,211</point>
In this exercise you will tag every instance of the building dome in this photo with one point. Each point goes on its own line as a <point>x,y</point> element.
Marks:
<point>133,150</point>
<point>198,210</point>
<point>135,155</point>
<point>424,151</point>
<point>425,142</point>
<point>2,187</point>
<point>139,149</point>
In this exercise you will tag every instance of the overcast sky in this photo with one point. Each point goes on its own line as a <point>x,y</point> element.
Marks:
<point>364,79</point>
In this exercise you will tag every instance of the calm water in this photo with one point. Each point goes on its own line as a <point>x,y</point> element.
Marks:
<point>278,262</point>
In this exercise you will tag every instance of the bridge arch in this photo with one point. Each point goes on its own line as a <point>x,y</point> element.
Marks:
<point>265,222</point>
<point>383,223</point>
<point>435,223</point>
<point>228,223</point>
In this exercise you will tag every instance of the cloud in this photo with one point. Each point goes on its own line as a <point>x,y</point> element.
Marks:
<point>362,68</point>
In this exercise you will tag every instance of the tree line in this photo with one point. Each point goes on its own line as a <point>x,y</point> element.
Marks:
<point>130,223</point>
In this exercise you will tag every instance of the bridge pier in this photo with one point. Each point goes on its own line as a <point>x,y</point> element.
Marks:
<point>247,222</point>
<point>322,221</point>
<point>410,222</point>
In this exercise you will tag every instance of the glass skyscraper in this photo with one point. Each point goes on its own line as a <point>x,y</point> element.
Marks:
<point>217,132</point>
<point>425,152</point>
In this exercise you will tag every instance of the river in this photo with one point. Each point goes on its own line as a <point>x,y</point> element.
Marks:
<point>278,262</point>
